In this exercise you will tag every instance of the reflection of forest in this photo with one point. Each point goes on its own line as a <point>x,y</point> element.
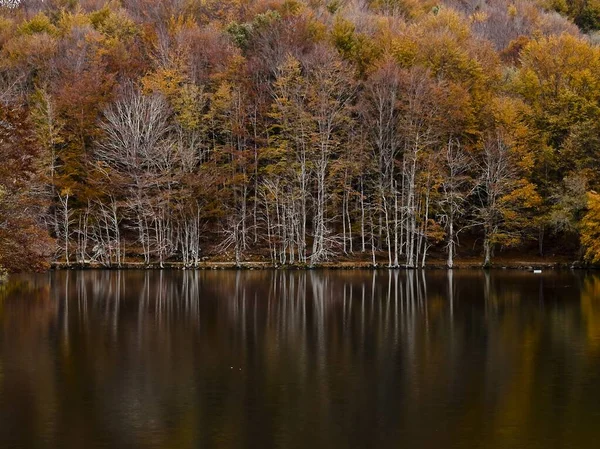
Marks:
<point>299,359</point>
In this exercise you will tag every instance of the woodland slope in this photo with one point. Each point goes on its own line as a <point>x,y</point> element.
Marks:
<point>298,132</point>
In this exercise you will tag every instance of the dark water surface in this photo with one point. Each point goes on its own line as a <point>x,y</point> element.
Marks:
<point>317,359</point>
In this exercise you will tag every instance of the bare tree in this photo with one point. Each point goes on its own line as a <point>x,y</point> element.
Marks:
<point>330,96</point>
<point>137,149</point>
<point>501,196</point>
<point>420,134</point>
<point>455,188</point>
<point>64,224</point>
<point>380,112</point>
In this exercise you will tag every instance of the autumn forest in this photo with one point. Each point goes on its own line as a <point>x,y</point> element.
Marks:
<point>292,132</point>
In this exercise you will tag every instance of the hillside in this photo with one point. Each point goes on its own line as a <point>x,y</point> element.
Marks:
<point>298,132</point>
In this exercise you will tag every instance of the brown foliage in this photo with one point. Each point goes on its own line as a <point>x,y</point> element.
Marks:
<point>24,242</point>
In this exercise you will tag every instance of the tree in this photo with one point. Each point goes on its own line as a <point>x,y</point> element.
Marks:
<point>330,94</point>
<point>556,80</point>
<point>503,199</point>
<point>311,113</point>
<point>137,153</point>
<point>24,241</point>
<point>456,184</point>
<point>590,228</point>
<point>379,109</point>
<point>289,158</point>
<point>419,125</point>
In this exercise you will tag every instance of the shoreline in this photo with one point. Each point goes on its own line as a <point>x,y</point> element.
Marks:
<point>523,265</point>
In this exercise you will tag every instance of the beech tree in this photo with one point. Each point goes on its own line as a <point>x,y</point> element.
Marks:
<point>590,228</point>
<point>24,242</point>
<point>329,100</point>
<point>503,198</point>
<point>455,185</point>
<point>137,152</point>
<point>380,112</point>
<point>289,158</point>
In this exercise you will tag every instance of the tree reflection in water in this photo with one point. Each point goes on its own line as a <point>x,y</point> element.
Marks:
<point>155,359</point>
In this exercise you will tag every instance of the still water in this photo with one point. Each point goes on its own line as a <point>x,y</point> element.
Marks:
<point>300,359</point>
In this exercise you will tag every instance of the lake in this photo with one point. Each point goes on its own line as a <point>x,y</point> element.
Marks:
<point>300,359</point>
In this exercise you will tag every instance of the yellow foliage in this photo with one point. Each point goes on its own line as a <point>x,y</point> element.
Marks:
<point>164,80</point>
<point>6,25</point>
<point>69,21</point>
<point>508,115</point>
<point>590,228</point>
<point>181,23</point>
<point>524,195</point>
<point>292,7</point>
<point>34,47</point>
<point>405,50</point>
<point>446,21</point>
<point>556,5</point>
<point>221,99</point>
<point>40,23</point>
<point>317,30</point>
<point>559,62</point>
<point>113,21</point>
<point>188,105</point>
<point>409,8</point>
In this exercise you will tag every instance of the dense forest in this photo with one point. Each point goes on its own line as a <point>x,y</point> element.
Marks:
<point>297,132</point>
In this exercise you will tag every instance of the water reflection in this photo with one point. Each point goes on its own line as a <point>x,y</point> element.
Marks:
<point>154,359</point>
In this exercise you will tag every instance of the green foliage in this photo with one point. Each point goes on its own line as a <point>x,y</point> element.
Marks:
<point>585,13</point>
<point>333,6</point>
<point>588,18</point>
<point>241,33</point>
<point>266,19</point>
